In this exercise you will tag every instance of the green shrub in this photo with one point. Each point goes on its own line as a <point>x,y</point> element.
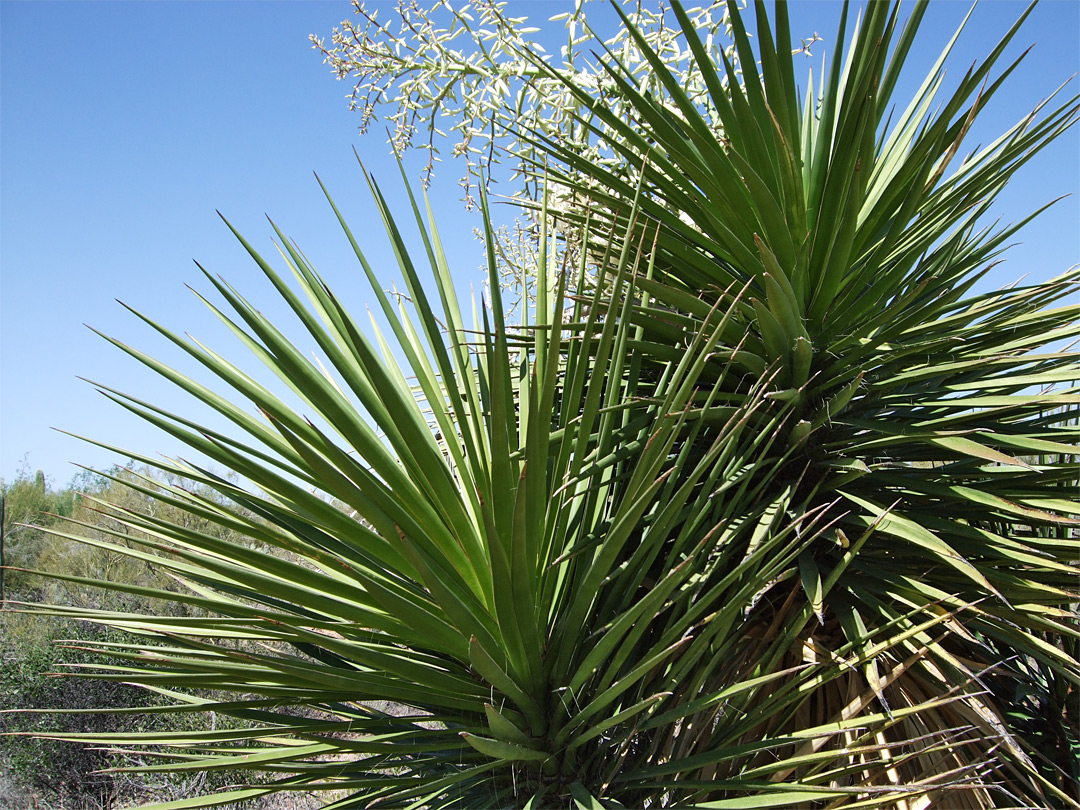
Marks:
<point>62,773</point>
<point>50,772</point>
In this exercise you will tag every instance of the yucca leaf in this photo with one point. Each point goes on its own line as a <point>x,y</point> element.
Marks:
<point>499,749</point>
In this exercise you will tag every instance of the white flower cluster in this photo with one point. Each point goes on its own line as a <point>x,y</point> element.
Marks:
<point>471,73</point>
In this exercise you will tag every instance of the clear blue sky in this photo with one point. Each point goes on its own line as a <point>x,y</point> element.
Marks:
<point>123,125</point>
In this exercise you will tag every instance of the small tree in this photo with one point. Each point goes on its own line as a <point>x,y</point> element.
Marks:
<point>28,502</point>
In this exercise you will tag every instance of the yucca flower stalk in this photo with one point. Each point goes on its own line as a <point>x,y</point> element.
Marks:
<point>761,505</point>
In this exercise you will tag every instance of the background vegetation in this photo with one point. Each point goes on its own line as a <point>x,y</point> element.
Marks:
<point>44,773</point>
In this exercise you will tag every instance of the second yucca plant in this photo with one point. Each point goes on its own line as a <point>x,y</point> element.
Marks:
<point>761,505</point>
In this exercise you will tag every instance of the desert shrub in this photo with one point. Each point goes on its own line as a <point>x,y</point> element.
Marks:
<point>62,773</point>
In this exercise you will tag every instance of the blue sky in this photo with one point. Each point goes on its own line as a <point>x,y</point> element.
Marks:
<point>124,125</point>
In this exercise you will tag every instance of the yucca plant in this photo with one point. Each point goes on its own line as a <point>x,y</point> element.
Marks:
<point>761,505</point>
